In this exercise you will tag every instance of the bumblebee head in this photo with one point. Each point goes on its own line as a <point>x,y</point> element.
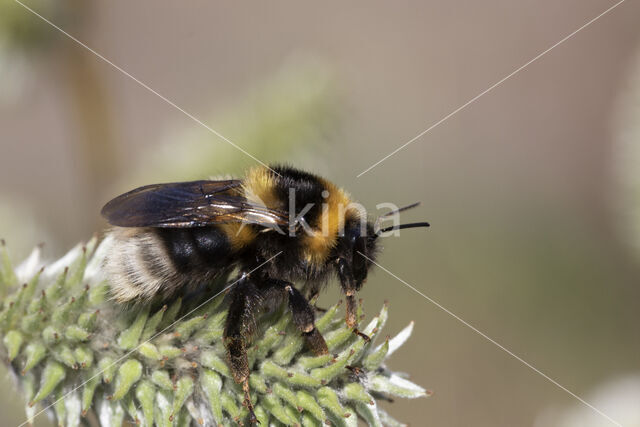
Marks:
<point>358,246</point>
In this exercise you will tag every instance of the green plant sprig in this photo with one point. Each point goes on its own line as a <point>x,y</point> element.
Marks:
<point>78,354</point>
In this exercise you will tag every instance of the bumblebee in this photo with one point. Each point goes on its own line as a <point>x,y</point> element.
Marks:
<point>276,227</point>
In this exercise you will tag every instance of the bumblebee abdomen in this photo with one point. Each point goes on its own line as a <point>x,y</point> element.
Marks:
<point>149,262</point>
<point>192,249</point>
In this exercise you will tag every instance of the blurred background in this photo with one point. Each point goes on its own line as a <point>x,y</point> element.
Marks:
<point>533,191</point>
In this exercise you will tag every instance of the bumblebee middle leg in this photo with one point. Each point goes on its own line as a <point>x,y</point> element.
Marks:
<point>302,312</point>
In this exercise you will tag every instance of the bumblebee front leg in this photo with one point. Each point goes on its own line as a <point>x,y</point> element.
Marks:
<point>349,289</point>
<point>238,330</point>
<point>302,313</point>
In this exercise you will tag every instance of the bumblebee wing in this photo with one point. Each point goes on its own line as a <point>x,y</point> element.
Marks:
<point>188,204</point>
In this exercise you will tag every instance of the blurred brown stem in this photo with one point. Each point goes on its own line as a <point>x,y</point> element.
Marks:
<point>95,143</point>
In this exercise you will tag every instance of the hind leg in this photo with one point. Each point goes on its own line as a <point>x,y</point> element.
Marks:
<point>238,330</point>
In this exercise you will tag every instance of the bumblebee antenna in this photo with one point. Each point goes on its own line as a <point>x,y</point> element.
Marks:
<point>395,211</point>
<point>403,226</point>
<point>402,209</point>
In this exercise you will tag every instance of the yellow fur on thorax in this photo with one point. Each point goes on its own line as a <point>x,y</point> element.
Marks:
<point>239,234</point>
<point>335,209</point>
<point>259,187</point>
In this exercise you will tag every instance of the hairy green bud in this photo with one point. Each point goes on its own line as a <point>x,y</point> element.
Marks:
<point>75,352</point>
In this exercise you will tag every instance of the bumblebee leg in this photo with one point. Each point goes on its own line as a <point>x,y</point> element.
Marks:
<point>239,327</point>
<point>349,289</point>
<point>303,314</point>
<point>304,318</point>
